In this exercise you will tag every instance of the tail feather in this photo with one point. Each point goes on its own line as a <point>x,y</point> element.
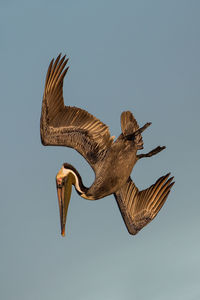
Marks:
<point>130,126</point>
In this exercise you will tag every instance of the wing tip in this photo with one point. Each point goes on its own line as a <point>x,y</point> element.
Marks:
<point>56,72</point>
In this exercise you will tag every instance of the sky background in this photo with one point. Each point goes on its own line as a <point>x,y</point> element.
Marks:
<point>141,56</point>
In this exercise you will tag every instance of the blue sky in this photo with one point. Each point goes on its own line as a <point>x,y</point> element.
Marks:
<point>141,56</point>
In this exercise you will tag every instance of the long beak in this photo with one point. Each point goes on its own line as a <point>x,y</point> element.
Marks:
<point>64,194</point>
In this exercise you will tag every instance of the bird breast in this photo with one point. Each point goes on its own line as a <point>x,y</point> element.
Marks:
<point>114,170</point>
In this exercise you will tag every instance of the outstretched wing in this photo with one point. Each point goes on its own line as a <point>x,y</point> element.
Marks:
<point>138,208</point>
<point>73,127</point>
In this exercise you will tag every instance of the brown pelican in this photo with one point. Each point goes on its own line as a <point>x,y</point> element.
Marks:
<point>112,161</point>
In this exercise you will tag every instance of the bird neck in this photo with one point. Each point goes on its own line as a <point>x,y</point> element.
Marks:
<point>77,180</point>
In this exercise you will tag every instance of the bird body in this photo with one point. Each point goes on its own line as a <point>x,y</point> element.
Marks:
<point>112,161</point>
<point>115,168</point>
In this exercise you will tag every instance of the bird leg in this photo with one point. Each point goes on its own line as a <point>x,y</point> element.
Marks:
<point>140,130</point>
<point>152,152</point>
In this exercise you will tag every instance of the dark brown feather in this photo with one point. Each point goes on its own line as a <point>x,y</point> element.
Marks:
<point>70,126</point>
<point>129,127</point>
<point>138,208</point>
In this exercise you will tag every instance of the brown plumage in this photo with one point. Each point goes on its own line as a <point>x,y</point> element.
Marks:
<point>111,161</point>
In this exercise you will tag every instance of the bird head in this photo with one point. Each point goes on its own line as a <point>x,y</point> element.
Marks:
<point>64,180</point>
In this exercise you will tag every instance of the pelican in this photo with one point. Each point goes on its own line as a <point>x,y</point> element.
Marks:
<point>112,161</point>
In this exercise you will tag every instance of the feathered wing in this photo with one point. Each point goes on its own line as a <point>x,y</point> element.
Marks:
<point>138,208</point>
<point>73,127</point>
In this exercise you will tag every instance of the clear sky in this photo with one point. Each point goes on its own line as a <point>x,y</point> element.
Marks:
<point>141,56</point>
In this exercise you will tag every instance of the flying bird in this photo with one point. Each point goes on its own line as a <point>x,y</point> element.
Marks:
<point>112,161</point>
